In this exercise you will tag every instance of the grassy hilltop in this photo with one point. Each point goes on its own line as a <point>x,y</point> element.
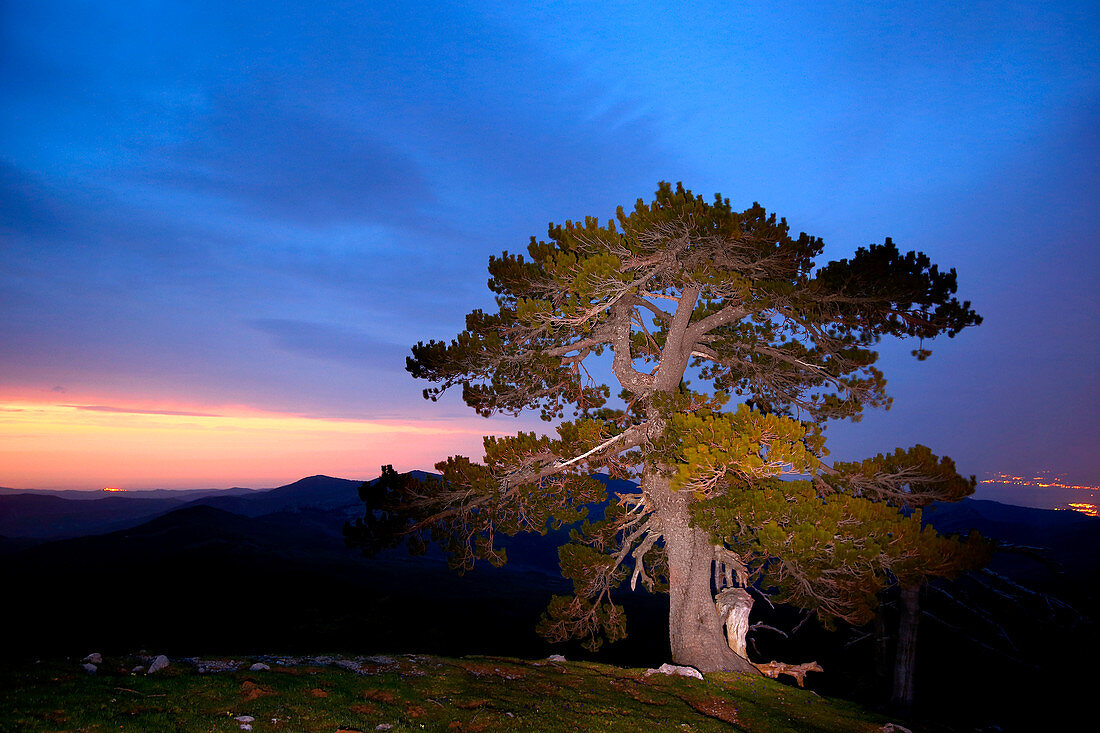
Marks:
<point>403,693</point>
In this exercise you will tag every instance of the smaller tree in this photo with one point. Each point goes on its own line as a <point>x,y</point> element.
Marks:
<point>909,481</point>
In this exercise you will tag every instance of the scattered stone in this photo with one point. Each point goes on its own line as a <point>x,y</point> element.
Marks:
<point>205,666</point>
<point>158,664</point>
<point>384,726</point>
<point>556,658</point>
<point>895,728</point>
<point>93,658</point>
<point>672,669</point>
<point>89,667</point>
<point>244,719</point>
<point>246,726</point>
<point>259,667</point>
<point>137,669</point>
<point>381,660</point>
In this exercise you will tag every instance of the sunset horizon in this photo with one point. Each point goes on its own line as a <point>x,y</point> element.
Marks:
<point>145,445</point>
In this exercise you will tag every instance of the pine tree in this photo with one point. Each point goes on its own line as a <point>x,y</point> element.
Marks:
<point>675,289</point>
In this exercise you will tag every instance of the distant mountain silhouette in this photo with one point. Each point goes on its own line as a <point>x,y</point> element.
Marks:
<point>1016,520</point>
<point>56,515</point>
<point>314,492</point>
<point>45,516</point>
<point>1068,541</point>
<point>182,494</point>
<point>200,578</point>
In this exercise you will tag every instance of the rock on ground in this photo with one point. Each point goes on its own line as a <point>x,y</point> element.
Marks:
<point>676,669</point>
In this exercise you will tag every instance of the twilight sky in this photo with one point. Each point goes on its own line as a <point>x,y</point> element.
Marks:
<point>222,224</point>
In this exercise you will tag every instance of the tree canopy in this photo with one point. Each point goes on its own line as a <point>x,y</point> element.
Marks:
<point>675,293</point>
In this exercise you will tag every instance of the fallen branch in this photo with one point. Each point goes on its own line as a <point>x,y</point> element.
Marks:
<point>798,671</point>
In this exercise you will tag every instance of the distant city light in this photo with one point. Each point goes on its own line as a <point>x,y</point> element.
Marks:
<point>1088,509</point>
<point>1042,481</point>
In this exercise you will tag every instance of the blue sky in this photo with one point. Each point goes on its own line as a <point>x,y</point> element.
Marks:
<point>263,205</point>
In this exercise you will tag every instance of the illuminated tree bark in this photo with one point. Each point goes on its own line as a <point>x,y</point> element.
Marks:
<point>734,606</point>
<point>696,633</point>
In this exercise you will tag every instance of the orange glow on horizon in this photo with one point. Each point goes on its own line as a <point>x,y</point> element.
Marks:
<point>1041,481</point>
<point>1084,508</point>
<point>89,446</point>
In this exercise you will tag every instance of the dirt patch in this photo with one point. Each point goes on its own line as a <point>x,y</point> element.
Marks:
<point>635,692</point>
<point>380,696</point>
<point>473,725</point>
<point>56,716</point>
<point>318,692</point>
<point>251,691</point>
<point>542,689</point>
<point>470,704</point>
<point>369,670</point>
<point>365,708</point>
<point>714,707</point>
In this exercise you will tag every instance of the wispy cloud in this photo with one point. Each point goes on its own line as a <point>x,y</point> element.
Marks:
<point>138,411</point>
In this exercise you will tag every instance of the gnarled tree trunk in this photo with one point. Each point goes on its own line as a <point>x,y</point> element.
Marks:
<point>695,629</point>
<point>734,606</point>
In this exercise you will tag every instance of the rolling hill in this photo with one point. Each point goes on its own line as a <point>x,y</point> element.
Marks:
<point>269,572</point>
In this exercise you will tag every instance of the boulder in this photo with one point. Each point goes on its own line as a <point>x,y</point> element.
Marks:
<point>158,664</point>
<point>676,669</point>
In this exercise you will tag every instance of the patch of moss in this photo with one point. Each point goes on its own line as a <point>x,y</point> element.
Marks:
<point>414,693</point>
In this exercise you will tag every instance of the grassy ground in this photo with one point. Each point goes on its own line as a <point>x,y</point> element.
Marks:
<point>408,693</point>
